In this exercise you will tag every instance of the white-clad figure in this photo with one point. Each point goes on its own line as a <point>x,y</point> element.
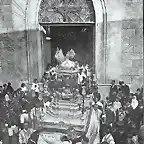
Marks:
<point>33,113</point>
<point>24,117</point>
<point>117,105</point>
<point>46,106</point>
<point>81,74</point>
<point>134,102</point>
<point>25,134</point>
<point>94,126</point>
<point>35,87</point>
<point>7,98</point>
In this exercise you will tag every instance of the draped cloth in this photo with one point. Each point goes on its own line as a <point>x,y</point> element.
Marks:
<point>94,127</point>
<point>24,135</point>
<point>68,64</point>
<point>59,55</point>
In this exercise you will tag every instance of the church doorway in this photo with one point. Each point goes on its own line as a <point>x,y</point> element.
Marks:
<point>68,24</point>
<point>79,37</point>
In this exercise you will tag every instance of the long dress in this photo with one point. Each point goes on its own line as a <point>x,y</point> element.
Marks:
<point>94,127</point>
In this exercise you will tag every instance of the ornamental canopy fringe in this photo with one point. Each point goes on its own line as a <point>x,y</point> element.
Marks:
<point>66,11</point>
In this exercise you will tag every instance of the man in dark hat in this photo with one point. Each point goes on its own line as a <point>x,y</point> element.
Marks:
<point>4,89</point>
<point>9,88</point>
<point>113,91</point>
<point>125,90</point>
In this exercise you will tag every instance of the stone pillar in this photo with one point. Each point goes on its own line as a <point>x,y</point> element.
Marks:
<point>35,48</point>
<point>39,45</point>
<point>99,54</point>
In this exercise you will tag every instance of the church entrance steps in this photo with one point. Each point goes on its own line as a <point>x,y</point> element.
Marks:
<point>58,122</point>
<point>59,126</point>
<point>66,103</point>
<point>63,113</point>
<point>65,107</point>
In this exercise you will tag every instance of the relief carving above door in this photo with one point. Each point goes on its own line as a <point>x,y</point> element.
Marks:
<point>66,11</point>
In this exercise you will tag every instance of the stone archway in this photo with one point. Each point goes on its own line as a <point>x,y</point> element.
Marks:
<point>71,16</point>
<point>99,9</point>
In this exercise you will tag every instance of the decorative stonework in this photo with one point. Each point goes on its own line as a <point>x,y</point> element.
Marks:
<point>66,11</point>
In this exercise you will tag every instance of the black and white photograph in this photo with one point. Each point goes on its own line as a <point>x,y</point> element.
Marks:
<point>71,72</point>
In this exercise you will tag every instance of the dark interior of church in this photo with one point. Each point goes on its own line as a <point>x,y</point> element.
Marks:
<point>78,38</point>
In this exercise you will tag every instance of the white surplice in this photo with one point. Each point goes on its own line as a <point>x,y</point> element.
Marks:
<point>94,127</point>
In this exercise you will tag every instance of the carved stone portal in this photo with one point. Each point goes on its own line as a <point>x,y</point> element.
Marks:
<point>66,11</point>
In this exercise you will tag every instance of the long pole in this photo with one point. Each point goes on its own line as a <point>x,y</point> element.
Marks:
<point>104,36</point>
<point>27,49</point>
<point>143,83</point>
<point>83,105</point>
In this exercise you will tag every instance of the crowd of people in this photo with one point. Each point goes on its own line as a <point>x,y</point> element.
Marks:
<point>17,112</point>
<point>120,115</point>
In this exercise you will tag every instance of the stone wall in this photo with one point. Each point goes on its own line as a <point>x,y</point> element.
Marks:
<point>124,52</point>
<point>132,52</point>
<point>6,21</point>
<point>14,57</point>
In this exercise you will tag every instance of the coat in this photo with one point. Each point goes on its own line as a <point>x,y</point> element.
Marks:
<point>125,90</point>
<point>113,92</point>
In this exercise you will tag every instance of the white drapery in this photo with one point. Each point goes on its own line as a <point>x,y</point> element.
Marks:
<point>94,127</point>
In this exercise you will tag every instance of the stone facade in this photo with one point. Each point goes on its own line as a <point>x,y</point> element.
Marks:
<point>13,57</point>
<point>16,60</point>
<point>6,20</point>
<point>124,43</point>
<point>132,51</point>
<point>125,52</point>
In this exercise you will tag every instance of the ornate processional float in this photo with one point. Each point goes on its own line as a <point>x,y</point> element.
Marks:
<point>66,73</point>
<point>63,116</point>
<point>64,86</point>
